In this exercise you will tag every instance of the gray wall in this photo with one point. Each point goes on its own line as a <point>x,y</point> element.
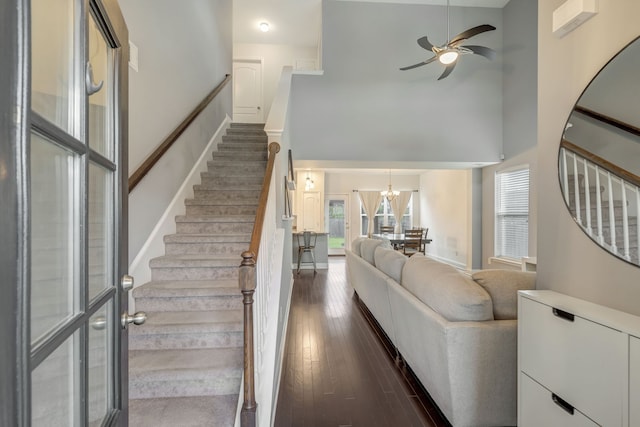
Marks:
<point>184,52</point>
<point>365,109</point>
<point>519,84</point>
<point>568,261</point>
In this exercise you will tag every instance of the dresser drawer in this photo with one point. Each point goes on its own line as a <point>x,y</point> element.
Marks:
<point>634,381</point>
<point>542,410</point>
<point>577,359</point>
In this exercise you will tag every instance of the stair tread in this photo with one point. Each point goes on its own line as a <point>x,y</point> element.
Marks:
<point>221,202</point>
<point>224,187</point>
<point>161,364</point>
<point>196,260</point>
<point>208,238</point>
<point>215,218</point>
<point>197,411</point>
<point>169,288</point>
<point>191,321</point>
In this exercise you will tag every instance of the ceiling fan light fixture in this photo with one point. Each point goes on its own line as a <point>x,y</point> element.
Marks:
<point>449,56</point>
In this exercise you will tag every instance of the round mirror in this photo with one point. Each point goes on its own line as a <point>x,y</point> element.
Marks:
<point>599,159</point>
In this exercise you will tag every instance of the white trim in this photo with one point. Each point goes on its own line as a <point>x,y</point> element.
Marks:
<point>154,245</point>
<point>309,266</point>
<point>454,263</point>
<point>309,72</point>
<point>283,343</point>
<point>506,261</point>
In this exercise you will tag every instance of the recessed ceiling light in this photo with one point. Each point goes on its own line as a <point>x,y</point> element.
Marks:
<point>264,27</point>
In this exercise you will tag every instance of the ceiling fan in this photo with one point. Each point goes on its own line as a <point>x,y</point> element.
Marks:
<point>449,53</point>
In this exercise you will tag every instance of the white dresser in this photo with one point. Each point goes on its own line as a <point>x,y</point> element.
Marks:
<point>578,363</point>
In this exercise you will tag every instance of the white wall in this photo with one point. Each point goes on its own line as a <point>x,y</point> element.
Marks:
<point>568,261</point>
<point>346,182</point>
<point>446,207</point>
<point>184,52</point>
<point>363,108</point>
<point>274,57</point>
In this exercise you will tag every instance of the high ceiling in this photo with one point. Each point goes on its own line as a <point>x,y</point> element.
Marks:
<point>297,22</point>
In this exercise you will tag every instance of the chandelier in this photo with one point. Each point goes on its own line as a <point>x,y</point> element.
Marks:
<point>390,194</point>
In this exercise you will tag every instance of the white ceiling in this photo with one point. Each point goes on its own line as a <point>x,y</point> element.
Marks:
<point>297,22</point>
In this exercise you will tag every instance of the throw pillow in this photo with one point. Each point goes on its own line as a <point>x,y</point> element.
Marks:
<point>503,286</point>
<point>390,262</point>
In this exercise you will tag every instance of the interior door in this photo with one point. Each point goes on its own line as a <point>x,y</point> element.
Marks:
<point>247,91</point>
<point>336,213</point>
<point>66,214</point>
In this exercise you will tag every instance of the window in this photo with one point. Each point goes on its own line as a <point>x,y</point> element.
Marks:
<point>512,213</point>
<point>384,216</point>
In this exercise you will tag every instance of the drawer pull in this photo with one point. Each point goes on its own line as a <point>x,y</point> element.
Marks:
<point>562,403</point>
<point>563,314</point>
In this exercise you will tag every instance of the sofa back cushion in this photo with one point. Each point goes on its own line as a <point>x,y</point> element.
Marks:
<point>390,262</point>
<point>447,291</point>
<point>368,249</point>
<point>356,245</point>
<point>503,286</point>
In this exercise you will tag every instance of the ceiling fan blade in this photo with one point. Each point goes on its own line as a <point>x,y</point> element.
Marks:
<point>488,53</point>
<point>448,70</point>
<point>470,33</point>
<point>419,64</point>
<point>424,43</point>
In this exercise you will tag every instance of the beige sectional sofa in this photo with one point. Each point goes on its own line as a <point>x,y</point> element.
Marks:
<point>457,333</point>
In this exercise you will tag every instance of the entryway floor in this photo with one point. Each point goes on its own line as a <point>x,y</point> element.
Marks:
<point>336,370</point>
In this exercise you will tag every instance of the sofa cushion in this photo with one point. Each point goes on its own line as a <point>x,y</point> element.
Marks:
<point>390,262</point>
<point>503,286</point>
<point>368,249</point>
<point>447,291</point>
<point>356,245</point>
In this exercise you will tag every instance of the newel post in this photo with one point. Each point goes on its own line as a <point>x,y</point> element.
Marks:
<point>247,282</point>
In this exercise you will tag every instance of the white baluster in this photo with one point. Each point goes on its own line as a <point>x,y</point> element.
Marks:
<point>576,190</point>
<point>587,198</point>
<point>625,220</point>
<point>612,215</point>
<point>599,207</point>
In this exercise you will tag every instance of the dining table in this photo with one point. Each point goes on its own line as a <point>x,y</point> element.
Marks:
<point>396,238</point>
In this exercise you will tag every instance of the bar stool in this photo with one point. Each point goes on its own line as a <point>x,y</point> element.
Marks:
<point>307,244</point>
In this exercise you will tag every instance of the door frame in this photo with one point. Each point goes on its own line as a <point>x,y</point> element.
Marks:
<point>250,60</point>
<point>16,123</point>
<point>347,228</point>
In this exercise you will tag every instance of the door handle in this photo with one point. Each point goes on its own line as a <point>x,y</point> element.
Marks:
<point>99,323</point>
<point>137,319</point>
<point>126,283</point>
<point>92,87</point>
<point>258,107</point>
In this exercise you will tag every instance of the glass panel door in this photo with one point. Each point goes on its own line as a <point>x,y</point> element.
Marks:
<point>75,207</point>
<point>336,220</point>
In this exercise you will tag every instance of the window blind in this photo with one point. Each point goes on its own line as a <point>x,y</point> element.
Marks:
<point>512,213</point>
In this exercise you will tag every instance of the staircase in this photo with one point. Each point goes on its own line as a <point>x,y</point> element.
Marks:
<point>186,361</point>
<point>632,220</point>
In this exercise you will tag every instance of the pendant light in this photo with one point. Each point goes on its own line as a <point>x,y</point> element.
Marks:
<point>390,194</point>
<point>308,183</point>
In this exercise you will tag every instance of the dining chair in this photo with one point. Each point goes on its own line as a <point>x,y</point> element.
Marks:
<point>412,241</point>
<point>425,231</point>
<point>307,244</point>
<point>386,229</point>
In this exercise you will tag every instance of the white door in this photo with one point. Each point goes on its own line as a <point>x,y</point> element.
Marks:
<point>247,91</point>
<point>336,214</point>
<point>63,183</point>
<point>311,210</point>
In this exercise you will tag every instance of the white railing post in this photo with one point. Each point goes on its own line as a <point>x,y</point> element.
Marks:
<point>625,220</point>
<point>612,214</point>
<point>576,190</point>
<point>587,197</point>
<point>599,207</point>
<point>565,175</point>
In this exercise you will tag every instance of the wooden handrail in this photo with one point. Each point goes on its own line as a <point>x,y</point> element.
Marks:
<point>247,282</point>
<point>608,120</point>
<point>153,158</point>
<point>605,164</point>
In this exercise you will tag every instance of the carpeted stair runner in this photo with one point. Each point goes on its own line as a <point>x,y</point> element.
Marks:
<point>185,362</point>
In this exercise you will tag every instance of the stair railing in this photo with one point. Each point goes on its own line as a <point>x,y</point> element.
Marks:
<point>168,142</point>
<point>255,269</point>
<point>614,188</point>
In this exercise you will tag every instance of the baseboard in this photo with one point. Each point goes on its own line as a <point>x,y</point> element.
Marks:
<point>456,264</point>
<point>319,266</point>
<point>283,343</point>
<point>154,245</point>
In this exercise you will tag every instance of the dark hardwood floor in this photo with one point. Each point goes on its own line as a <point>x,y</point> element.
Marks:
<point>336,370</point>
